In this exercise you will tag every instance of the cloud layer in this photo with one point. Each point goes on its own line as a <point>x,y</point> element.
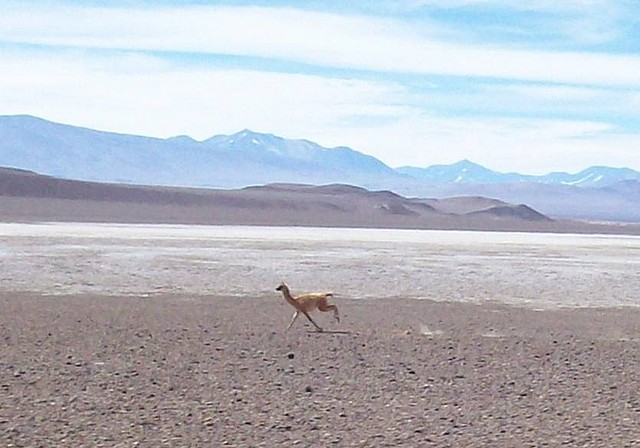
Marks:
<point>314,38</point>
<point>407,90</point>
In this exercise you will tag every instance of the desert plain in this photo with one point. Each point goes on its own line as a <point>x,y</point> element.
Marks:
<point>148,335</point>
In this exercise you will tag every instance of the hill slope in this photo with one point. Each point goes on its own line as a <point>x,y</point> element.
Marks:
<point>28,196</point>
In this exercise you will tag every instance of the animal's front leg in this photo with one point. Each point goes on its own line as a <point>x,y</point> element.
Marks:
<point>293,319</point>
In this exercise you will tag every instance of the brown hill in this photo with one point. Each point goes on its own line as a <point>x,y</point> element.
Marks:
<point>520,211</point>
<point>27,196</point>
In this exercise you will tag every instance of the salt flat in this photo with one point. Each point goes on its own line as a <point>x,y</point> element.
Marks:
<point>533,269</point>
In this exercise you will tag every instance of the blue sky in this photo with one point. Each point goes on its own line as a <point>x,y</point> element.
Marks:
<point>531,86</point>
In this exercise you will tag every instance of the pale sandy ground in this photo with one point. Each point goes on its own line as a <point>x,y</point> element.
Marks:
<point>215,371</point>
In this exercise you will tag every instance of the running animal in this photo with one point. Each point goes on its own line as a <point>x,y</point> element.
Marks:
<point>306,303</point>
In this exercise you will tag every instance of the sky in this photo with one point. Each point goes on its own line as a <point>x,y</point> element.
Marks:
<point>530,86</point>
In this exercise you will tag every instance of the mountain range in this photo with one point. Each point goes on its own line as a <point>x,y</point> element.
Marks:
<point>249,158</point>
<point>228,161</point>
<point>466,172</point>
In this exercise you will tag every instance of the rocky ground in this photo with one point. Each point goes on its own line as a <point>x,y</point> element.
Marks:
<point>215,371</point>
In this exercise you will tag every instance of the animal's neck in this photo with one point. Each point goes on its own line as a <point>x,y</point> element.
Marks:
<point>287,295</point>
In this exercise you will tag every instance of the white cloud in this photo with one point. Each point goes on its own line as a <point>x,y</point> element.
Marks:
<point>518,5</point>
<point>556,100</point>
<point>552,92</point>
<point>585,22</point>
<point>121,93</point>
<point>321,39</point>
<point>526,145</point>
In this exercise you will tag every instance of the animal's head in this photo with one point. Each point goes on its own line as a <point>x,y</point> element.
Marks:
<point>281,286</point>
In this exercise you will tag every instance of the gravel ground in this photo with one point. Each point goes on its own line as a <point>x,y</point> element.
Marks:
<point>173,370</point>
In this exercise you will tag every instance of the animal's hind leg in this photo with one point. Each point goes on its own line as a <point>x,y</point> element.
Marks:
<point>325,307</point>
<point>336,315</point>
<point>318,327</point>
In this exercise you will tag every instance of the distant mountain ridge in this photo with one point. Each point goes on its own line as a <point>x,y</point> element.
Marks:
<point>249,158</point>
<point>229,161</point>
<point>470,173</point>
<point>72,152</point>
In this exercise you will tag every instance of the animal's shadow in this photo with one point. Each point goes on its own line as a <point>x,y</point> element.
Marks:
<point>329,332</point>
